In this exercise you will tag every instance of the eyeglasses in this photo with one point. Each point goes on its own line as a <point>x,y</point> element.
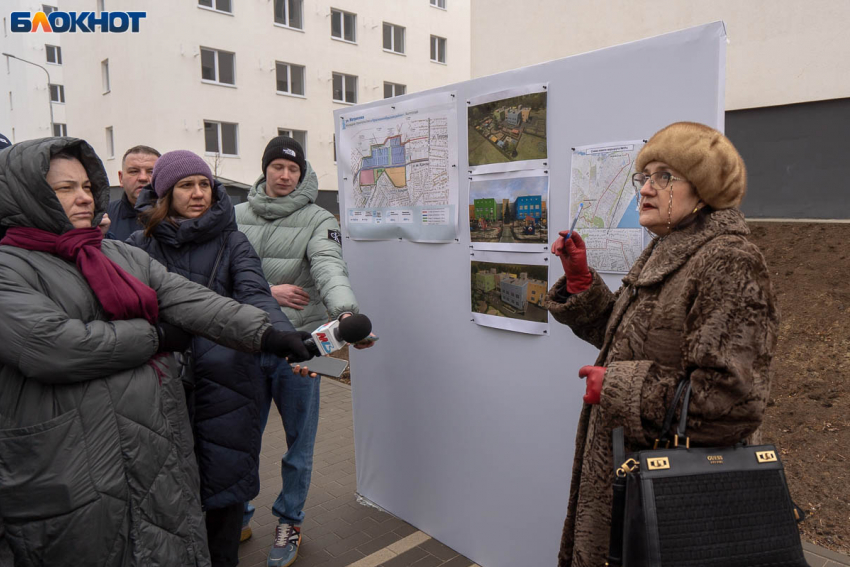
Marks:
<point>659,180</point>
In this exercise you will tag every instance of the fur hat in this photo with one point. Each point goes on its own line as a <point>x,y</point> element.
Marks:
<point>174,166</point>
<point>286,148</point>
<point>705,157</point>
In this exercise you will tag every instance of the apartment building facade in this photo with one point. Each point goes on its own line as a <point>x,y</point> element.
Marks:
<point>32,79</point>
<point>222,77</point>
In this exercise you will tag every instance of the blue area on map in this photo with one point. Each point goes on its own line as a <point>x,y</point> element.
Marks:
<point>631,217</point>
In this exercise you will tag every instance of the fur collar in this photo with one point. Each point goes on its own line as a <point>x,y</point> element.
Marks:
<point>664,255</point>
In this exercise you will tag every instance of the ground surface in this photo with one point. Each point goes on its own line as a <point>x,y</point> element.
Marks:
<point>808,416</point>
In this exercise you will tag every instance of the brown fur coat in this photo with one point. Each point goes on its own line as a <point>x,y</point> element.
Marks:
<point>697,302</point>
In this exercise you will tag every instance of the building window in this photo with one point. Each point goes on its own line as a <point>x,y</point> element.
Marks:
<point>218,66</point>
<point>345,88</point>
<point>393,38</point>
<point>220,138</point>
<point>104,75</point>
<point>392,89</point>
<point>60,129</point>
<point>57,93</point>
<point>110,143</point>
<point>54,54</point>
<point>438,49</point>
<point>343,25</point>
<point>299,136</point>
<point>46,8</point>
<point>290,78</point>
<point>334,147</point>
<point>288,13</point>
<point>439,4</point>
<point>217,5</point>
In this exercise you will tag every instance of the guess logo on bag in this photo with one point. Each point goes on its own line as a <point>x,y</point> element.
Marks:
<point>715,459</point>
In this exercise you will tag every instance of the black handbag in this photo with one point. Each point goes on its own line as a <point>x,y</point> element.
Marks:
<point>701,507</point>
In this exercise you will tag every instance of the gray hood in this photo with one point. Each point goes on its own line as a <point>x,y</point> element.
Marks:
<point>27,200</point>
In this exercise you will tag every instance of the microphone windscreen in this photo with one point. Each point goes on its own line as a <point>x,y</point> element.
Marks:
<point>354,328</point>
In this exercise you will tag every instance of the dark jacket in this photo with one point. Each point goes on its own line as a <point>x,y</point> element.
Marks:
<point>96,459</point>
<point>124,219</point>
<point>697,303</point>
<point>229,385</point>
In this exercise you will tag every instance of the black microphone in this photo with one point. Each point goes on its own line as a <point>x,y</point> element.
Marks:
<point>332,336</point>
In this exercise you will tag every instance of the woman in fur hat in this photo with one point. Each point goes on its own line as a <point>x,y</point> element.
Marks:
<point>697,303</point>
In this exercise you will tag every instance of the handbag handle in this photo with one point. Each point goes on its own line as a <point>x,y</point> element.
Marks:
<point>683,417</point>
<point>215,265</point>
<point>671,412</point>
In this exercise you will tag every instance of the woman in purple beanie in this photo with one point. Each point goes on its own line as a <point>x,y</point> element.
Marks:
<point>190,227</point>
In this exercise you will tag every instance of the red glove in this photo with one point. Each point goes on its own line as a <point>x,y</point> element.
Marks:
<point>573,255</point>
<point>595,375</point>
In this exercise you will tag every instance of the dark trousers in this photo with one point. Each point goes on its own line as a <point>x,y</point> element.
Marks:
<point>224,526</point>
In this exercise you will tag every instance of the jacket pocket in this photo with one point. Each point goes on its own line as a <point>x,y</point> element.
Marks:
<point>44,469</point>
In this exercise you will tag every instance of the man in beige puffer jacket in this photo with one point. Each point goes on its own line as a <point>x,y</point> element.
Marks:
<point>300,245</point>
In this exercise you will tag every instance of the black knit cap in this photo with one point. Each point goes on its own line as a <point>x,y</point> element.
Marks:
<point>286,148</point>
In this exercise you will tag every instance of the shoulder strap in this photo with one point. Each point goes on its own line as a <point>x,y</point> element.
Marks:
<point>618,503</point>
<point>217,263</point>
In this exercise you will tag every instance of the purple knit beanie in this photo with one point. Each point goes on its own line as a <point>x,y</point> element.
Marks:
<point>174,166</point>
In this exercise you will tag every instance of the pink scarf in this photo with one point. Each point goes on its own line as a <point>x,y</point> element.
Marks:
<point>121,294</point>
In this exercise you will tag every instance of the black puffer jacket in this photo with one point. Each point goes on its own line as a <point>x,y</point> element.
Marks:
<point>124,219</point>
<point>229,385</point>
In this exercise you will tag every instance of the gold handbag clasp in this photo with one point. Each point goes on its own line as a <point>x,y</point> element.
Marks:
<point>629,466</point>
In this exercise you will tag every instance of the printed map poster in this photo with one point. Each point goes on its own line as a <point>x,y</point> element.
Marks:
<point>506,131</point>
<point>601,179</point>
<point>508,211</point>
<point>508,290</point>
<point>400,170</point>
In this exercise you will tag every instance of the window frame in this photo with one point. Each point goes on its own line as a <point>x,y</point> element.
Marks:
<point>344,82</point>
<point>63,129</point>
<point>392,39</point>
<point>290,132</point>
<point>57,54</point>
<point>437,49</point>
<point>394,88</point>
<point>60,92</point>
<point>214,7</point>
<point>220,152</point>
<point>110,142</point>
<point>50,9</point>
<point>342,14</point>
<point>289,66</point>
<point>217,67</point>
<point>287,16</point>
<point>436,4</point>
<point>106,82</point>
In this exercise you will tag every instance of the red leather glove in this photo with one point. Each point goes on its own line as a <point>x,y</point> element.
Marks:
<point>573,255</point>
<point>595,376</point>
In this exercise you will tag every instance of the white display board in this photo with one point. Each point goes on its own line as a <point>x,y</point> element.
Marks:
<point>467,432</point>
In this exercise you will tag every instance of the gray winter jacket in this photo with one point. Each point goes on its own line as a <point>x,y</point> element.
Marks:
<point>96,456</point>
<point>299,243</point>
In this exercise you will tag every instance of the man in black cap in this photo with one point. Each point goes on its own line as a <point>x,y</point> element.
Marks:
<point>300,245</point>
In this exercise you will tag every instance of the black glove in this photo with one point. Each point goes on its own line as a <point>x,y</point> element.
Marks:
<point>286,344</point>
<point>172,338</point>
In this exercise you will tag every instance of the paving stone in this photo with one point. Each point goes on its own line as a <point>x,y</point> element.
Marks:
<point>407,558</point>
<point>443,552</point>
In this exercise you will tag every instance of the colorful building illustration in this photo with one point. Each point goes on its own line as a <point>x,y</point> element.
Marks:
<point>529,206</point>
<point>526,110</point>
<point>472,212</point>
<point>537,292</point>
<point>515,293</point>
<point>485,208</point>
<point>485,281</point>
<point>506,207</point>
<point>513,117</point>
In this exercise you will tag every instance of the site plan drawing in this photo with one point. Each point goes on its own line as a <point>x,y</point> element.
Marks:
<point>601,178</point>
<point>400,170</point>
